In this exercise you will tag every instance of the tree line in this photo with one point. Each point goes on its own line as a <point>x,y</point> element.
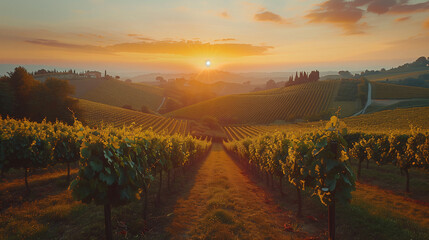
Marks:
<point>303,77</point>
<point>21,96</point>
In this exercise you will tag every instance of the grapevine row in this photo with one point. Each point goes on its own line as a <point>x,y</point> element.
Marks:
<point>116,165</point>
<point>96,113</point>
<point>316,161</point>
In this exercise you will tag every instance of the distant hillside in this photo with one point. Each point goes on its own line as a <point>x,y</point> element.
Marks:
<point>390,120</point>
<point>395,76</point>
<point>117,93</point>
<point>94,114</point>
<point>205,76</point>
<point>287,103</point>
<point>392,91</point>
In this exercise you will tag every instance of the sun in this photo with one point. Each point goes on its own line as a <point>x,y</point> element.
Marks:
<point>208,63</point>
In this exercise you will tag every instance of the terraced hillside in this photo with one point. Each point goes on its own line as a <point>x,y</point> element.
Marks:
<point>117,93</point>
<point>94,114</point>
<point>392,91</point>
<point>398,120</point>
<point>287,103</point>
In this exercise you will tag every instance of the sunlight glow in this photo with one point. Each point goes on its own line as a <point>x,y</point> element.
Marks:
<point>208,63</point>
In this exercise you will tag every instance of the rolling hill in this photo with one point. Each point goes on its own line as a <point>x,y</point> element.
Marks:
<point>393,91</point>
<point>94,114</point>
<point>287,103</point>
<point>398,75</point>
<point>117,93</point>
<point>398,120</point>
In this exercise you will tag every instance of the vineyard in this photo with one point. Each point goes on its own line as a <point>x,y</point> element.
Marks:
<point>392,91</point>
<point>397,121</point>
<point>116,166</point>
<point>320,162</point>
<point>94,114</point>
<point>266,106</point>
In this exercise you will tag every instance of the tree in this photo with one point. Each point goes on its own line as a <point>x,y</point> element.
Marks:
<point>160,79</point>
<point>345,74</point>
<point>51,100</point>
<point>22,84</point>
<point>128,81</point>
<point>271,84</point>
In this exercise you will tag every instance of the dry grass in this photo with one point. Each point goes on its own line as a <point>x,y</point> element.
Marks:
<point>224,204</point>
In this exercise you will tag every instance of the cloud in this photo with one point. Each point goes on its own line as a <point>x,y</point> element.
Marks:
<point>340,13</point>
<point>90,35</point>
<point>426,23</point>
<point>403,8</point>
<point>183,48</point>
<point>268,16</point>
<point>225,39</point>
<point>391,6</point>
<point>347,14</point>
<point>140,37</point>
<point>381,6</point>
<point>58,44</point>
<point>224,14</point>
<point>191,48</point>
<point>402,19</point>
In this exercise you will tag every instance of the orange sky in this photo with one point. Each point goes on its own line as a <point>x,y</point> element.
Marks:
<point>179,36</point>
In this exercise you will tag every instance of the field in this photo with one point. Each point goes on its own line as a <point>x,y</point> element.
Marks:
<point>288,103</point>
<point>391,91</point>
<point>94,114</point>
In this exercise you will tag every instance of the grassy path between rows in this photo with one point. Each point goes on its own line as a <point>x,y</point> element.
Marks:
<point>225,204</point>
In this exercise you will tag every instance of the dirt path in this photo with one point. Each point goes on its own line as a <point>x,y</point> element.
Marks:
<point>225,204</point>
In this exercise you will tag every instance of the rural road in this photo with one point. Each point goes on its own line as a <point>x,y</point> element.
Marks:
<point>225,204</point>
<point>160,105</point>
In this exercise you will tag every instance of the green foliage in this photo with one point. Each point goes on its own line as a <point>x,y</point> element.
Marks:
<point>114,164</point>
<point>317,161</point>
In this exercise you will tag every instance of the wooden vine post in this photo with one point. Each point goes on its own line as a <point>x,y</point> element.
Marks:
<point>108,221</point>
<point>331,207</point>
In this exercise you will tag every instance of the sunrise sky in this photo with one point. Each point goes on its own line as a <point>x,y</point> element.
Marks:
<point>241,36</point>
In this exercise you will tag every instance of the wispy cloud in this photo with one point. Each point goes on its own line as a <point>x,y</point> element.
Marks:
<point>225,39</point>
<point>191,48</point>
<point>268,16</point>
<point>140,37</point>
<point>348,14</point>
<point>58,44</point>
<point>183,48</point>
<point>402,19</point>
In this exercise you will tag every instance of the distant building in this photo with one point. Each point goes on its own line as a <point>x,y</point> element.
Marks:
<point>93,74</point>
